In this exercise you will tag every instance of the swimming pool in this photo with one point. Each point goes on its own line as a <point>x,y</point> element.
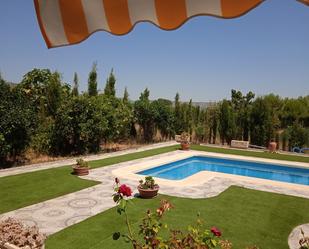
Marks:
<point>184,168</point>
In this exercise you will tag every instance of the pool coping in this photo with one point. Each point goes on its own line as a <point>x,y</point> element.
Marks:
<point>130,172</point>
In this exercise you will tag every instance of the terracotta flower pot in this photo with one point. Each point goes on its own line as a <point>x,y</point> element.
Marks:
<point>185,146</point>
<point>148,193</point>
<point>272,146</point>
<point>80,171</point>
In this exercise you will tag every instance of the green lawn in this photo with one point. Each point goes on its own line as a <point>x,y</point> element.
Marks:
<point>246,217</point>
<point>30,188</point>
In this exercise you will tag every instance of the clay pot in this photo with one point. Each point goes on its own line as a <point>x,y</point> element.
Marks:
<point>80,171</point>
<point>148,193</point>
<point>272,146</point>
<point>185,146</point>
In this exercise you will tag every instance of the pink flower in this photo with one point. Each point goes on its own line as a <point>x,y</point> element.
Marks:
<point>125,190</point>
<point>216,232</point>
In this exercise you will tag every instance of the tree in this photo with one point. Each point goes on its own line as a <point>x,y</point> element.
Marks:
<point>75,85</point>
<point>144,114</point>
<point>241,105</point>
<point>298,136</point>
<point>125,98</point>
<point>16,122</point>
<point>110,85</point>
<point>92,81</point>
<point>80,125</point>
<point>178,117</point>
<point>227,127</point>
<point>261,125</point>
<point>164,117</point>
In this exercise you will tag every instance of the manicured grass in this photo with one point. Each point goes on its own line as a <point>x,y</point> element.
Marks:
<point>246,217</point>
<point>30,188</point>
<point>268,155</point>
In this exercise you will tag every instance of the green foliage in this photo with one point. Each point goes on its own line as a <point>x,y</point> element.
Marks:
<point>110,85</point>
<point>81,163</point>
<point>16,122</point>
<point>75,85</point>
<point>227,126</point>
<point>262,128</point>
<point>148,183</point>
<point>92,81</point>
<point>164,117</point>
<point>79,126</point>
<point>241,105</point>
<point>125,98</point>
<point>41,141</point>
<point>145,115</point>
<point>297,136</point>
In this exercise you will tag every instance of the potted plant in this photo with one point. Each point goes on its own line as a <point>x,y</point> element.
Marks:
<point>185,141</point>
<point>81,168</point>
<point>148,188</point>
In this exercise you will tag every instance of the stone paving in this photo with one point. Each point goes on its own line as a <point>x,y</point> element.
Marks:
<point>54,215</point>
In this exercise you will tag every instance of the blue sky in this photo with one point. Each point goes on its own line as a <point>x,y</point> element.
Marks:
<point>264,51</point>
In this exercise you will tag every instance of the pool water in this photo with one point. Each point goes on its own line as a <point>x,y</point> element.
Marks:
<point>183,168</point>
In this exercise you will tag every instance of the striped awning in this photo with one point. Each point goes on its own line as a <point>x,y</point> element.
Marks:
<point>66,22</point>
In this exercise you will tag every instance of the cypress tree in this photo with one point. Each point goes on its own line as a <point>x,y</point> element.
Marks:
<point>92,81</point>
<point>75,85</point>
<point>125,98</point>
<point>110,85</point>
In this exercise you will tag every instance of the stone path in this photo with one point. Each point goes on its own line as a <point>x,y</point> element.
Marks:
<point>54,215</point>
<point>70,161</point>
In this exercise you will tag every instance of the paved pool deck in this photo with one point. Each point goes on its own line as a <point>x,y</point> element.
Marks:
<point>54,215</point>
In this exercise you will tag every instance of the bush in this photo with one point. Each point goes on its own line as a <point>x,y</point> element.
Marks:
<point>79,126</point>
<point>42,140</point>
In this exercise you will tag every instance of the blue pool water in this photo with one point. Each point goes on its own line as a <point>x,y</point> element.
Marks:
<point>183,168</point>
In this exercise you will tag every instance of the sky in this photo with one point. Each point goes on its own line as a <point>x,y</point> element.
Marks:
<point>265,51</point>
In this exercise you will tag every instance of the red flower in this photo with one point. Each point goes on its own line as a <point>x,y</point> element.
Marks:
<point>117,180</point>
<point>216,232</point>
<point>125,190</point>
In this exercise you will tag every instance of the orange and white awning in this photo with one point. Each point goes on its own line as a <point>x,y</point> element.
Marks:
<point>65,22</point>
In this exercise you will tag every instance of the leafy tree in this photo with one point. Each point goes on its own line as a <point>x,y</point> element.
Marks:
<point>119,117</point>
<point>75,85</point>
<point>261,128</point>
<point>144,114</point>
<point>92,81</point>
<point>241,105</point>
<point>227,126</point>
<point>110,85</point>
<point>298,136</point>
<point>79,126</point>
<point>164,117</point>
<point>43,89</point>
<point>16,122</point>
<point>212,123</point>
